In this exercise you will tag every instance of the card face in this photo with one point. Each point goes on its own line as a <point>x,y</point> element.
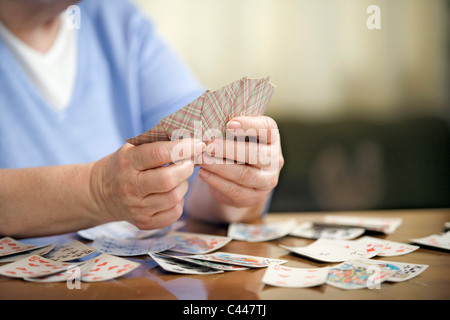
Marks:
<point>132,247</point>
<point>384,225</point>
<point>357,275</point>
<point>39,251</point>
<point>196,243</point>
<point>210,264</point>
<point>70,251</point>
<point>101,268</point>
<point>33,266</point>
<point>282,276</point>
<point>327,252</point>
<point>121,247</point>
<point>105,267</point>
<point>391,248</point>
<point>238,259</point>
<point>125,230</point>
<point>256,233</point>
<point>9,246</point>
<point>371,247</point>
<point>405,271</point>
<point>311,230</point>
<point>178,266</point>
<point>441,241</point>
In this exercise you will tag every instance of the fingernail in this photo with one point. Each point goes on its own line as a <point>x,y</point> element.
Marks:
<point>234,124</point>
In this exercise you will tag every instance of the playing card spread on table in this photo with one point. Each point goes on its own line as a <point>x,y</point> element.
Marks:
<point>211,112</point>
<point>40,251</point>
<point>260,232</point>
<point>383,225</point>
<point>33,266</point>
<point>404,271</point>
<point>101,268</point>
<point>70,251</point>
<point>238,259</point>
<point>441,241</point>
<point>311,230</point>
<point>197,243</point>
<point>282,276</point>
<point>125,230</point>
<point>132,247</point>
<point>358,275</point>
<point>391,248</point>
<point>210,264</point>
<point>9,246</point>
<point>370,246</point>
<point>328,251</point>
<point>172,265</point>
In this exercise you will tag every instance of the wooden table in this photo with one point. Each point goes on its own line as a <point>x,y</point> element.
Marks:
<point>149,281</point>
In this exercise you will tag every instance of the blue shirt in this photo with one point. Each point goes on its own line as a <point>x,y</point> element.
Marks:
<point>127,80</point>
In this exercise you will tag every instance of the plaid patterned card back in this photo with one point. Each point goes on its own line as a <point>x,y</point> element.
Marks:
<point>209,114</point>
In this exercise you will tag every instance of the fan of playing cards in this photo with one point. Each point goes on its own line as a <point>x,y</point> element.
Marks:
<point>208,115</point>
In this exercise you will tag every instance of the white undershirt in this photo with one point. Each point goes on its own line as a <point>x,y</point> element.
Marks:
<point>54,72</point>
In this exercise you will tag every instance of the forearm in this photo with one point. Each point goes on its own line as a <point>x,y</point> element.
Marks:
<point>202,205</point>
<point>46,200</point>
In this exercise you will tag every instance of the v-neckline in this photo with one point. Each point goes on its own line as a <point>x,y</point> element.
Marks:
<point>22,75</point>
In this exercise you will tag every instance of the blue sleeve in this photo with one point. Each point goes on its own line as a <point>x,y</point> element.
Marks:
<point>165,81</point>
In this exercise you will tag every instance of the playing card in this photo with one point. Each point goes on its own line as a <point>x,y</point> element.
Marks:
<point>210,264</point>
<point>371,246</point>
<point>125,230</point>
<point>282,276</point>
<point>101,268</point>
<point>33,266</point>
<point>39,251</point>
<point>441,241</point>
<point>358,275</point>
<point>260,232</point>
<point>9,246</point>
<point>238,259</point>
<point>325,251</point>
<point>312,230</point>
<point>210,113</point>
<point>132,247</point>
<point>172,265</point>
<point>105,267</point>
<point>404,271</point>
<point>196,243</point>
<point>384,225</point>
<point>391,248</point>
<point>69,251</point>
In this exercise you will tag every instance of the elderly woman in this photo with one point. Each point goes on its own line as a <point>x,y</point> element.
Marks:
<point>70,97</point>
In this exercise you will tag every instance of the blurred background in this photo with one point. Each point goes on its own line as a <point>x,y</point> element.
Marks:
<point>364,114</point>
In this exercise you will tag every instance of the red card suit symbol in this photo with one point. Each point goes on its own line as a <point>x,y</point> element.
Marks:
<point>110,268</point>
<point>94,270</point>
<point>21,268</point>
<point>43,261</point>
<point>11,272</point>
<point>103,264</point>
<point>33,265</point>
<point>310,277</point>
<point>283,276</point>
